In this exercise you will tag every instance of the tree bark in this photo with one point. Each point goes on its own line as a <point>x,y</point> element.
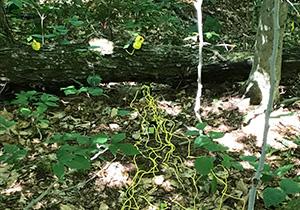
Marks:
<point>60,66</point>
<point>164,64</point>
<point>258,84</point>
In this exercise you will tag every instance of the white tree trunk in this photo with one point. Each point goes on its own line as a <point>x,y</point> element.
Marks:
<point>258,84</point>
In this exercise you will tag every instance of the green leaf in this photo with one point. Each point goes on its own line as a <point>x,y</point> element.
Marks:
<point>94,80</point>
<point>95,91</point>
<point>202,140</point>
<point>213,185</point>
<point>75,22</point>
<point>123,112</point>
<point>49,100</point>
<point>113,148</point>
<point>6,124</point>
<point>78,162</point>
<point>293,204</point>
<point>12,153</point>
<point>201,126</point>
<point>227,161</point>
<point>283,169</point>
<point>251,159</point>
<point>100,139</point>
<point>116,138</point>
<point>65,153</point>
<point>273,196</point>
<point>215,147</point>
<point>215,135</point>
<point>58,170</point>
<point>18,3</point>
<point>204,164</point>
<point>192,133</point>
<point>128,149</point>
<point>82,139</point>
<point>25,112</point>
<point>70,90</point>
<point>289,186</point>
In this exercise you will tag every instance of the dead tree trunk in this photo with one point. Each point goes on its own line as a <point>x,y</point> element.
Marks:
<point>165,64</point>
<point>60,66</point>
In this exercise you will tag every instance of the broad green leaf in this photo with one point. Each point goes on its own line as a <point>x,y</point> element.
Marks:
<point>202,140</point>
<point>215,135</point>
<point>100,139</point>
<point>70,90</point>
<point>65,153</point>
<point>128,149</point>
<point>113,148</point>
<point>215,147</point>
<point>116,138</point>
<point>227,161</point>
<point>251,159</point>
<point>192,133</point>
<point>12,153</point>
<point>58,170</point>
<point>273,196</point>
<point>78,162</point>
<point>201,125</point>
<point>49,97</point>
<point>83,90</point>
<point>94,80</point>
<point>204,164</point>
<point>289,186</point>
<point>237,166</point>
<point>283,169</point>
<point>95,91</point>
<point>82,139</point>
<point>56,138</point>
<point>41,108</point>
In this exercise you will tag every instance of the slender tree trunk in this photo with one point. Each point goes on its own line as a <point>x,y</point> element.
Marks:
<point>258,84</point>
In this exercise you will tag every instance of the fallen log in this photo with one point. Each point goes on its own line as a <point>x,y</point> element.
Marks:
<point>60,66</point>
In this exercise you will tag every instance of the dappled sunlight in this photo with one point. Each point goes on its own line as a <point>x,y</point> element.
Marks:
<point>282,122</point>
<point>114,175</point>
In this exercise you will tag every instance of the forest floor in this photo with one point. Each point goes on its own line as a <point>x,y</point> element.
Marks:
<point>156,119</point>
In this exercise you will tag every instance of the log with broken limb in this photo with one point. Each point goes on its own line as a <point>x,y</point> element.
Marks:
<point>61,65</point>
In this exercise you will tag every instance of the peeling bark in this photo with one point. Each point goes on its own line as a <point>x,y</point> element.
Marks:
<point>258,84</point>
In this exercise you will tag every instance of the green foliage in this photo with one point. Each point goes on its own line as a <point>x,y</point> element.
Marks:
<point>206,141</point>
<point>212,28</point>
<point>12,153</point>
<point>5,124</point>
<point>293,204</point>
<point>273,196</point>
<point>33,105</point>
<point>93,81</point>
<point>204,164</point>
<point>75,150</point>
<point>289,186</point>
